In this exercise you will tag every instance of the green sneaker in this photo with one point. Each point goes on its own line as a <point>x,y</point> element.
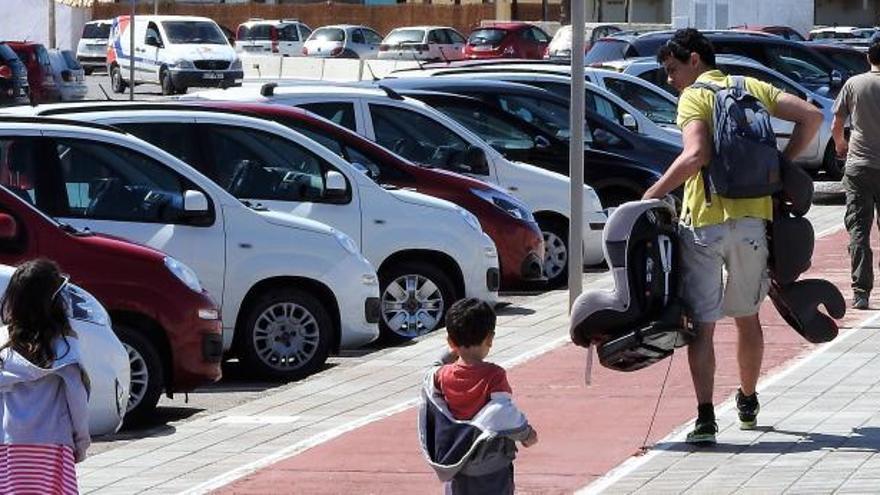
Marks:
<point>748,409</point>
<point>703,433</point>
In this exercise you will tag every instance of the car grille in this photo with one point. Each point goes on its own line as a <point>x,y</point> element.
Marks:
<point>211,64</point>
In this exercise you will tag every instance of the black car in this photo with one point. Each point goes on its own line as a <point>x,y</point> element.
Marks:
<point>796,60</point>
<point>13,78</point>
<point>844,57</point>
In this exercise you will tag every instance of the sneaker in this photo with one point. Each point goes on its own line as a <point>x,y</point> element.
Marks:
<point>703,434</point>
<point>748,409</point>
<point>860,301</point>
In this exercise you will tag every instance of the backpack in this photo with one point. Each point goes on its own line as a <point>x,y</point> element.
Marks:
<point>746,162</point>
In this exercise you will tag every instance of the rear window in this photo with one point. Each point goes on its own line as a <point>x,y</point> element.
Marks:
<point>606,50</point>
<point>405,36</point>
<point>854,63</point>
<point>260,32</point>
<point>96,31</point>
<point>42,55</point>
<point>329,34</point>
<point>70,60</point>
<point>486,36</point>
<point>6,54</point>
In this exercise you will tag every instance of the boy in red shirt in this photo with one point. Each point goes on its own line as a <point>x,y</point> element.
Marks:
<point>468,422</point>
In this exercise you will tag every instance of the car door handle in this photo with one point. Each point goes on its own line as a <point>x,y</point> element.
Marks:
<point>513,188</point>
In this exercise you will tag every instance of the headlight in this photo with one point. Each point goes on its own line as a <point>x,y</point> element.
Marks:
<point>235,65</point>
<point>346,242</point>
<point>506,203</point>
<point>184,273</point>
<point>183,64</point>
<point>470,219</point>
<point>84,307</point>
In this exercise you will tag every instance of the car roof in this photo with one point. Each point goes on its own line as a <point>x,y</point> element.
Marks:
<point>507,26</point>
<point>345,26</point>
<point>101,21</point>
<point>420,27</point>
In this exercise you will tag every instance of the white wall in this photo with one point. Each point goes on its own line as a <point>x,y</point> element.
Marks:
<point>31,22</point>
<point>795,13</point>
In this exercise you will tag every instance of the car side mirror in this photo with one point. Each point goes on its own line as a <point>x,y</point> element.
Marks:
<point>836,79</point>
<point>195,202</point>
<point>334,185</point>
<point>152,40</point>
<point>8,227</point>
<point>369,172</point>
<point>630,122</point>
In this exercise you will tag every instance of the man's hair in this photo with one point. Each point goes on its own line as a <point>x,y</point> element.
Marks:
<point>683,43</point>
<point>469,321</point>
<point>874,53</point>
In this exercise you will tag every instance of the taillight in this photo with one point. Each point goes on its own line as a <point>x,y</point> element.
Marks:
<point>336,51</point>
<point>274,34</point>
<point>305,51</point>
<point>5,72</point>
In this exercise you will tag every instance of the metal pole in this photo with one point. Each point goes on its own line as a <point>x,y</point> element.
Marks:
<point>131,53</point>
<point>576,154</point>
<point>52,41</point>
<point>155,7</point>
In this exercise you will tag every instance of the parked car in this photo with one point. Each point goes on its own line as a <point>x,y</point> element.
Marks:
<point>91,51</point>
<point>35,58</point>
<point>846,58</point>
<point>291,290</point>
<point>69,75</point>
<point>343,41</point>
<point>842,33</point>
<point>168,324</point>
<point>428,138</point>
<point>430,43</point>
<point>175,52</point>
<point>103,356</point>
<point>784,32</point>
<point>792,59</point>
<point>284,37</point>
<point>504,218</point>
<point>14,88</point>
<point>507,40</point>
<point>429,253</point>
<point>560,45</point>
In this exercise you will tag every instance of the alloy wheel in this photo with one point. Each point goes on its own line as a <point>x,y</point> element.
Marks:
<point>412,305</point>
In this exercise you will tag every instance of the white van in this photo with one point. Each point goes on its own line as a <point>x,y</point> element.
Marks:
<point>291,290</point>
<point>176,52</point>
<point>91,51</point>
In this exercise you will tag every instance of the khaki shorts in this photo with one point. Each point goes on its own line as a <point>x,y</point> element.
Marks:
<point>737,247</point>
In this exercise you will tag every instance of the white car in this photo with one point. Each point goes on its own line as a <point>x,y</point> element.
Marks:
<point>91,51</point>
<point>69,75</point>
<point>103,357</point>
<point>283,37</point>
<point>343,41</point>
<point>423,135</point>
<point>429,43</point>
<point>842,33</point>
<point>428,252</point>
<point>291,290</point>
<point>560,45</point>
<point>819,154</point>
<point>175,52</point>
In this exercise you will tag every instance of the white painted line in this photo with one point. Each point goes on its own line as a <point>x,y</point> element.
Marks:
<point>255,420</point>
<point>340,430</point>
<point>679,434</point>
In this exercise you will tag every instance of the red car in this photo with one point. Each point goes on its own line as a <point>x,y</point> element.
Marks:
<point>507,40</point>
<point>509,223</point>
<point>781,31</point>
<point>170,330</point>
<point>39,72</point>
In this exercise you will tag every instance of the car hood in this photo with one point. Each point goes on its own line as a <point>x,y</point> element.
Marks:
<point>419,199</point>
<point>204,52</point>
<point>294,222</point>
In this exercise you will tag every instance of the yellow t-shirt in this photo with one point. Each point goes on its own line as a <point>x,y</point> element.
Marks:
<point>699,104</point>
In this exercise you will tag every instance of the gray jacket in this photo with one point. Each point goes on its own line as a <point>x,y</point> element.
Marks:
<point>45,405</point>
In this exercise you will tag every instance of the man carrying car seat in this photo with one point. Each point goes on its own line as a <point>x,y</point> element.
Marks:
<point>724,232</point>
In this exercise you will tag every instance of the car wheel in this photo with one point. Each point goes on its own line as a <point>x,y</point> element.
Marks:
<point>833,166</point>
<point>555,234</point>
<point>117,83</point>
<point>168,88</point>
<point>88,71</point>
<point>147,376</point>
<point>415,297</point>
<point>286,335</point>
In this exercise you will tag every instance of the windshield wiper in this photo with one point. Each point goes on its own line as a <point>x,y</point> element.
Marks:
<point>254,206</point>
<point>70,229</point>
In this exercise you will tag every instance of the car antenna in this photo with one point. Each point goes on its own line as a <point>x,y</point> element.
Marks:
<point>106,96</point>
<point>372,74</point>
<point>394,95</point>
<point>417,61</point>
<point>268,89</point>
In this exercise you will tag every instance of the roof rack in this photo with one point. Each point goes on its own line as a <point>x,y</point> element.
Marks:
<point>189,105</point>
<point>268,89</point>
<point>15,119</point>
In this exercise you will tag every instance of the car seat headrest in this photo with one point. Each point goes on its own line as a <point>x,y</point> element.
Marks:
<point>791,247</point>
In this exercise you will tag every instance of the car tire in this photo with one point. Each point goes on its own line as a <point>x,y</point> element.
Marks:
<point>833,167</point>
<point>147,375</point>
<point>88,71</point>
<point>117,82</point>
<point>168,88</point>
<point>298,323</point>
<point>401,309</point>
<point>555,233</point>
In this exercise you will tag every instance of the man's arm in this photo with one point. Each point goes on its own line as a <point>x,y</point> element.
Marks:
<point>807,120</point>
<point>696,154</point>
<point>840,144</point>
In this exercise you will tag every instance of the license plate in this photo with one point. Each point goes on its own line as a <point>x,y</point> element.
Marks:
<point>482,48</point>
<point>253,48</point>
<point>212,75</point>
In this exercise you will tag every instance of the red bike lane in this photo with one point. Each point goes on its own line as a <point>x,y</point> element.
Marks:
<point>584,431</point>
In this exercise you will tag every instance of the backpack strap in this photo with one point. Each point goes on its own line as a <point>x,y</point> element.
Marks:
<point>702,85</point>
<point>707,189</point>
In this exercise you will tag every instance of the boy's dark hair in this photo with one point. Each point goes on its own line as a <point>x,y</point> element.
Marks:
<point>874,53</point>
<point>469,321</point>
<point>683,43</point>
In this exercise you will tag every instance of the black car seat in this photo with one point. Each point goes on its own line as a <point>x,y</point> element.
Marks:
<point>111,199</point>
<point>251,180</point>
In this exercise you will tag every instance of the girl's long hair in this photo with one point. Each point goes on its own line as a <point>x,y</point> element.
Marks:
<point>34,311</point>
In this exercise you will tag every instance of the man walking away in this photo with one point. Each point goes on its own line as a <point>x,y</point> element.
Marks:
<point>860,101</point>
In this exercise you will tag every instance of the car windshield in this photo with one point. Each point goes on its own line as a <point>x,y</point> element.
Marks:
<point>329,34</point>
<point>486,36</point>
<point>194,33</point>
<point>549,116</point>
<point>100,30</point>
<point>605,50</point>
<point>499,134</point>
<point>853,62</point>
<point>405,36</point>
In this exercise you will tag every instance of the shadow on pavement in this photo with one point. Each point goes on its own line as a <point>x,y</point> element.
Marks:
<point>861,440</point>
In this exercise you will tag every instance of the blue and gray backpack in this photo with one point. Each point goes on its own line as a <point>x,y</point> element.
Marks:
<point>745,161</point>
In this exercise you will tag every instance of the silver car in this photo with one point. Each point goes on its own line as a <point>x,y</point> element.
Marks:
<point>91,51</point>
<point>343,41</point>
<point>69,75</point>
